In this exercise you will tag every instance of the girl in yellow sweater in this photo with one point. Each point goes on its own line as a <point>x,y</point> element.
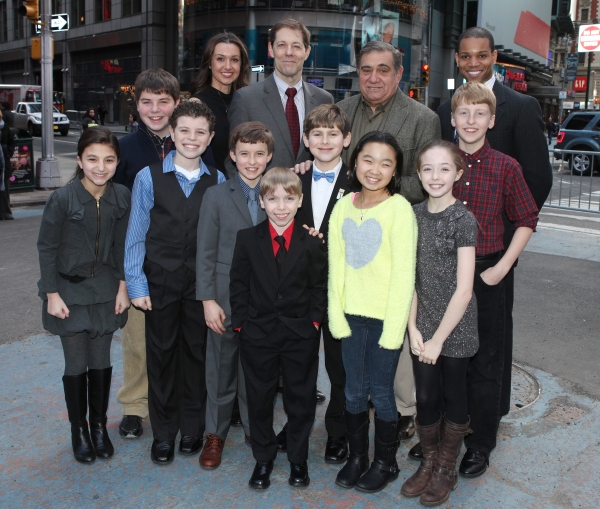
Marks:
<point>372,257</point>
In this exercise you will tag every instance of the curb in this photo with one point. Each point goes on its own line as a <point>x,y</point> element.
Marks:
<point>29,203</point>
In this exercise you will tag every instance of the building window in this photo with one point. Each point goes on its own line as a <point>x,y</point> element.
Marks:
<point>77,12</point>
<point>57,6</point>
<point>3,28</point>
<point>131,7</point>
<point>581,57</point>
<point>18,21</point>
<point>585,13</point>
<point>103,10</point>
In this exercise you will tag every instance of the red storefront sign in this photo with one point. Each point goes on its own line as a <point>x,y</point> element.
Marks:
<point>580,84</point>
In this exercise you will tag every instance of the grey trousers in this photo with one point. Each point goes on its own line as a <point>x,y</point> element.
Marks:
<point>404,382</point>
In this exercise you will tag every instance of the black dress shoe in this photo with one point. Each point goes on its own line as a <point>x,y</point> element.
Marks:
<point>261,476</point>
<point>131,426</point>
<point>162,452</point>
<point>416,453</point>
<point>236,421</point>
<point>188,446</point>
<point>406,427</point>
<point>282,439</point>
<point>336,450</point>
<point>474,463</point>
<point>299,475</point>
<point>320,396</point>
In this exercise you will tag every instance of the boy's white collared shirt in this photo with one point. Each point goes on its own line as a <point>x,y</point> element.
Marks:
<point>321,191</point>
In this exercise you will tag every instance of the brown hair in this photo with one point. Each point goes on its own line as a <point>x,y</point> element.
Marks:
<point>329,116</point>
<point>101,135</point>
<point>204,78</point>
<point>157,81</point>
<point>474,93</point>
<point>194,109</point>
<point>280,177</point>
<point>252,132</point>
<point>455,154</point>
<point>292,24</point>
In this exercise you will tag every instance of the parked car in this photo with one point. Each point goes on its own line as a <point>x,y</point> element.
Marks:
<point>28,115</point>
<point>580,131</point>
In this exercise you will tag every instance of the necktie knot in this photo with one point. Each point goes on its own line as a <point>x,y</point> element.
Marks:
<point>291,92</point>
<point>280,239</point>
<point>318,175</point>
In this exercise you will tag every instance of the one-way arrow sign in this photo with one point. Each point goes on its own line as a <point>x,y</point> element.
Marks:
<point>60,23</point>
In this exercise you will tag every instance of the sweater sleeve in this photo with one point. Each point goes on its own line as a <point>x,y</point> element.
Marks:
<point>403,241</point>
<point>49,240</point>
<point>338,325</point>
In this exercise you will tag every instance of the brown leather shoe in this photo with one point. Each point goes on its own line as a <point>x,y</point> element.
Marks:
<point>211,454</point>
<point>430,440</point>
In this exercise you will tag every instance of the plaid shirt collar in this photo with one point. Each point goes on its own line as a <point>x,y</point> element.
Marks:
<point>482,153</point>
<point>162,145</point>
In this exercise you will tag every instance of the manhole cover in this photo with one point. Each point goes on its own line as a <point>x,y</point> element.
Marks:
<point>525,389</point>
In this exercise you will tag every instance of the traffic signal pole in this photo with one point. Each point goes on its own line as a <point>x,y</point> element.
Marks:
<point>47,169</point>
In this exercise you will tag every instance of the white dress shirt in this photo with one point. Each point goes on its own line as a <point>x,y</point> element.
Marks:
<point>320,193</point>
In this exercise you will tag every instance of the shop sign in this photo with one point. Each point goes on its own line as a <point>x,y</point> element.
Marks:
<point>575,105</point>
<point>568,105</point>
<point>580,84</point>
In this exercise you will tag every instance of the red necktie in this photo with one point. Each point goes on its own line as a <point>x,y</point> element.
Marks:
<point>291,113</point>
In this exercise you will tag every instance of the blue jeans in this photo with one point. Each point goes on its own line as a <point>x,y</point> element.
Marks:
<point>370,370</point>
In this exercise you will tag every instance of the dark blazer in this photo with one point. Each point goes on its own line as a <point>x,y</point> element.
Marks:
<point>260,298</point>
<point>519,133</point>
<point>305,213</point>
<point>261,102</point>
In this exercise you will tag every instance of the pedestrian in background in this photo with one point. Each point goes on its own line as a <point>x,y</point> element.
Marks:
<point>89,119</point>
<point>224,69</point>
<point>551,128</point>
<point>133,123</point>
<point>81,248</point>
<point>7,146</point>
<point>101,110</point>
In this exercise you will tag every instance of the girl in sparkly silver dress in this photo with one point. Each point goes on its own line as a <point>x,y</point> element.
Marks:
<point>443,321</point>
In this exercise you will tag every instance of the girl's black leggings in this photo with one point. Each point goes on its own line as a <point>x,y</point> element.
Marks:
<point>453,372</point>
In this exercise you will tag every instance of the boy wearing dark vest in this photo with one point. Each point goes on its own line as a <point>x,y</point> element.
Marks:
<point>160,271</point>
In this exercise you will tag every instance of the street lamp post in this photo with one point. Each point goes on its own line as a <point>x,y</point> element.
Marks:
<point>567,42</point>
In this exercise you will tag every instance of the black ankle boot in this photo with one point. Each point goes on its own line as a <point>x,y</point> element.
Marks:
<point>75,387</point>
<point>357,427</point>
<point>384,468</point>
<point>98,396</point>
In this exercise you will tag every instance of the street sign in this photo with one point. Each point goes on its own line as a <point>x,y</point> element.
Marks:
<point>258,68</point>
<point>589,38</point>
<point>60,23</point>
<point>562,94</point>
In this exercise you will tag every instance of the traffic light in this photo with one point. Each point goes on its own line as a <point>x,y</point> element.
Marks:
<point>425,74</point>
<point>30,9</point>
<point>413,93</point>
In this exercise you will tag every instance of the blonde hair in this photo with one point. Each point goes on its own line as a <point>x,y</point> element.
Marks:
<point>474,93</point>
<point>283,177</point>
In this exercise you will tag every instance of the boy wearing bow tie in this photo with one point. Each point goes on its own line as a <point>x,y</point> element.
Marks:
<point>326,135</point>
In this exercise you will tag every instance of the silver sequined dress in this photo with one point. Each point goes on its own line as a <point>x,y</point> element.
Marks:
<point>440,236</point>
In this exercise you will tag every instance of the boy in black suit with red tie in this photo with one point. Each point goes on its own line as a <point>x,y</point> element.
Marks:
<point>278,301</point>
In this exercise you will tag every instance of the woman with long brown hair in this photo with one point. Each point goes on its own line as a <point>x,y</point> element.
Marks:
<point>223,70</point>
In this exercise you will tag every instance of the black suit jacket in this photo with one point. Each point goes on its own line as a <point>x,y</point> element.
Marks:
<point>260,298</point>
<point>519,133</point>
<point>305,213</point>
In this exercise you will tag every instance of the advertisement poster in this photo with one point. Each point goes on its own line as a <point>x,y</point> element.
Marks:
<point>572,61</point>
<point>21,163</point>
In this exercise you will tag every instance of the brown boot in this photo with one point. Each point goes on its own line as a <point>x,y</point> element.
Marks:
<point>444,476</point>
<point>211,454</point>
<point>430,440</point>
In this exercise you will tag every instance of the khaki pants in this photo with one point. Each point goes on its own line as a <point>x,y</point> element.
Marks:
<point>404,382</point>
<point>133,394</point>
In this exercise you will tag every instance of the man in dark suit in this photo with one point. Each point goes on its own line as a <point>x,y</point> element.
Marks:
<point>518,132</point>
<point>278,300</point>
<point>283,99</point>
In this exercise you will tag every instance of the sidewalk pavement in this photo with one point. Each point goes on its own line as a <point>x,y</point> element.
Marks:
<point>548,454</point>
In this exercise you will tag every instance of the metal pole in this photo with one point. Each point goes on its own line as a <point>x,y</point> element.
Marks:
<point>587,87</point>
<point>47,170</point>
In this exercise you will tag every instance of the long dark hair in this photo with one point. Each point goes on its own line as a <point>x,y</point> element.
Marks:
<point>204,78</point>
<point>87,113</point>
<point>101,135</point>
<point>393,186</point>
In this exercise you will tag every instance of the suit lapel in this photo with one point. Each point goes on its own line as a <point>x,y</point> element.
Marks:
<point>498,90</point>
<point>306,180</point>
<point>238,197</point>
<point>266,248</point>
<point>397,115</point>
<point>294,251</point>
<point>273,103</point>
<point>340,183</point>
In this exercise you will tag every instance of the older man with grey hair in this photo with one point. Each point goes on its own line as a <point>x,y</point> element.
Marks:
<point>382,106</point>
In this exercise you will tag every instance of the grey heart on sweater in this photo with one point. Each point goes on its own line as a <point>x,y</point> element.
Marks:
<point>362,241</point>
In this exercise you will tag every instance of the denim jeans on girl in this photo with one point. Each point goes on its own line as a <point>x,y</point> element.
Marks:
<point>370,370</point>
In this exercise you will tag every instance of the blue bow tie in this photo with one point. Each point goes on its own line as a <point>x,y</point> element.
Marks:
<point>318,175</point>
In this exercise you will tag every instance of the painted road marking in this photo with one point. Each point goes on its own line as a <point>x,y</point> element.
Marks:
<point>580,218</point>
<point>564,228</point>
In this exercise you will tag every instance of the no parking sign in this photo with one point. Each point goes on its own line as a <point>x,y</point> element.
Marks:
<point>589,38</point>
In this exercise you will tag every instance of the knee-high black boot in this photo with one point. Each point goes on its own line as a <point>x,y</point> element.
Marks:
<point>384,468</point>
<point>98,396</point>
<point>357,427</point>
<point>75,387</point>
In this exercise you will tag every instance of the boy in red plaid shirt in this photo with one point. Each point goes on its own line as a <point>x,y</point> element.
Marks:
<point>493,184</point>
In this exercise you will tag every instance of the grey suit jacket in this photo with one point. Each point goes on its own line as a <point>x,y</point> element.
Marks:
<point>413,125</point>
<point>261,102</point>
<point>223,213</point>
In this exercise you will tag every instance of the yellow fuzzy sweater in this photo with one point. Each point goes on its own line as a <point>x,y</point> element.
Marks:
<point>372,266</point>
